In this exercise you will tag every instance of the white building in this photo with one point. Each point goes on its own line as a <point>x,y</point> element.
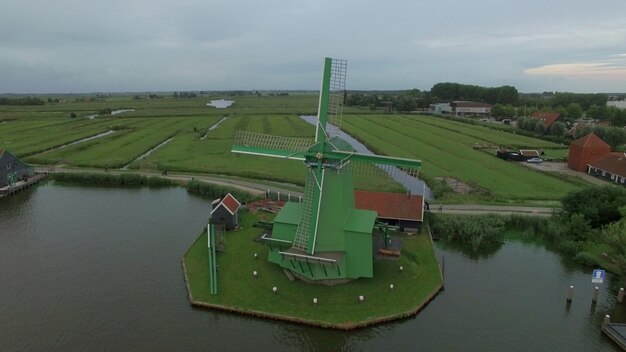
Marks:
<point>621,104</point>
<point>461,108</point>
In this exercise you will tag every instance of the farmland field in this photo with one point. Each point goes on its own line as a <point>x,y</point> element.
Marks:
<point>447,148</point>
<point>447,151</point>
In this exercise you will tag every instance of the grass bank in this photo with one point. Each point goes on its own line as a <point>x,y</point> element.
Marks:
<point>338,306</point>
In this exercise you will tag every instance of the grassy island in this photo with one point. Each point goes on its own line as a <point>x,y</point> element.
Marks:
<point>337,307</point>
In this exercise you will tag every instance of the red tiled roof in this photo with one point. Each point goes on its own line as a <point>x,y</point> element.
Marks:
<point>590,140</point>
<point>547,118</point>
<point>230,203</point>
<point>391,205</point>
<point>615,163</point>
<point>529,152</point>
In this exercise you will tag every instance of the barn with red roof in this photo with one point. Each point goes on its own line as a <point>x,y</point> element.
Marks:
<point>226,212</point>
<point>547,118</point>
<point>611,166</point>
<point>586,150</point>
<point>396,209</point>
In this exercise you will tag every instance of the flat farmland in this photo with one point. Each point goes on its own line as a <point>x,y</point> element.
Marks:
<point>448,152</point>
<point>132,138</point>
<point>448,148</point>
<point>32,136</point>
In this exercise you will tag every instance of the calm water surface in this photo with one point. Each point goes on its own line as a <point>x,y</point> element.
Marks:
<point>98,269</point>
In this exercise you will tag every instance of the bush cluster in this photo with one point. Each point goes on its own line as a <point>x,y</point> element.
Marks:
<point>124,179</point>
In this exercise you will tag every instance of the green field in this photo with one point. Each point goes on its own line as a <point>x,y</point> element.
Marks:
<point>448,148</point>
<point>337,305</point>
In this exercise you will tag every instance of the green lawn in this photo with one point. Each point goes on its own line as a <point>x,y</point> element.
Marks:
<point>337,305</point>
<point>446,147</point>
<point>450,153</point>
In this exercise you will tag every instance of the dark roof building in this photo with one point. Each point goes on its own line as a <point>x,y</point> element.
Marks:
<point>225,212</point>
<point>402,210</point>
<point>547,118</point>
<point>611,166</point>
<point>12,169</point>
<point>585,151</point>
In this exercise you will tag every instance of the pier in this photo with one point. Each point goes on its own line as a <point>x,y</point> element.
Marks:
<point>616,332</point>
<point>20,185</point>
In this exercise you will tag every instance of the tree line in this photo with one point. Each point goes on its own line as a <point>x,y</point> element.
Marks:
<point>22,101</point>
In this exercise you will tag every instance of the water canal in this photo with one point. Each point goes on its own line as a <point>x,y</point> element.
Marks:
<point>98,269</point>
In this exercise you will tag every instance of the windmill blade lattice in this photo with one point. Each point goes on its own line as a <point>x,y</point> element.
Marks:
<point>337,95</point>
<point>268,141</point>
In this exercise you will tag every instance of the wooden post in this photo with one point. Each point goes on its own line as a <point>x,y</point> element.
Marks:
<point>620,295</point>
<point>570,293</point>
<point>596,290</point>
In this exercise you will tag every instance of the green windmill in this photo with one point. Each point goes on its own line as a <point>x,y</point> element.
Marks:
<point>324,237</point>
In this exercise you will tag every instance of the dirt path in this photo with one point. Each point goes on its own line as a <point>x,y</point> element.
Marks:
<point>259,189</point>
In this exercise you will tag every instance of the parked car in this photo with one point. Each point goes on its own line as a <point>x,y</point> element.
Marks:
<point>534,160</point>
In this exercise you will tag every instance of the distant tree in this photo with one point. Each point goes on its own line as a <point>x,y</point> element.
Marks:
<point>557,128</point>
<point>619,118</point>
<point>574,111</point>
<point>615,137</point>
<point>540,128</point>
<point>583,131</point>
<point>497,110</point>
<point>72,115</point>
<point>597,112</point>
<point>597,205</point>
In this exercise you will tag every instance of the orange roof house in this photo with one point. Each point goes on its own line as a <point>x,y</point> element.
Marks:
<point>611,166</point>
<point>585,151</point>
<point>402,210</point>
<point>547,118</point>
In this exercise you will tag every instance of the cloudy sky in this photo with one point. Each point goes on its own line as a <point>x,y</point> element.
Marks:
<point>164,45</point>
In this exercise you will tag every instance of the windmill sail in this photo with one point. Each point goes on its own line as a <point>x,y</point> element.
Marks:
<point>328,238</point>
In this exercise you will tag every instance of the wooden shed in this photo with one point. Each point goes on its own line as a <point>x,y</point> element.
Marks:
<point>396,209</point>
<point>12,169</point>
<point>226,212</point>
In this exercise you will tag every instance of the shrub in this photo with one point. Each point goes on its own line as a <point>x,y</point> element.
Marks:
<point>477,231</point>
<point>214,191</point>
<point>585,258</point>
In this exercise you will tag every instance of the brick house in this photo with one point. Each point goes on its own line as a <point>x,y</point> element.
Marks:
<point>585,151</point>
<point>611,166</point>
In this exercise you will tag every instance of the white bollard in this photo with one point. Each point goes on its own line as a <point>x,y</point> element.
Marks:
<point>289,197</point>
<point>274,289</point>
<point>278,195</point>
<point>607,320</point>
<point>570,293</point>
<point>315,301</point>
<point>361,299</point>
<point>391,287</point>
<point>401,268</point>
<point>596,290</point>
<point>255,274</point>
<point>256,256</point>
<point>620,295</point>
